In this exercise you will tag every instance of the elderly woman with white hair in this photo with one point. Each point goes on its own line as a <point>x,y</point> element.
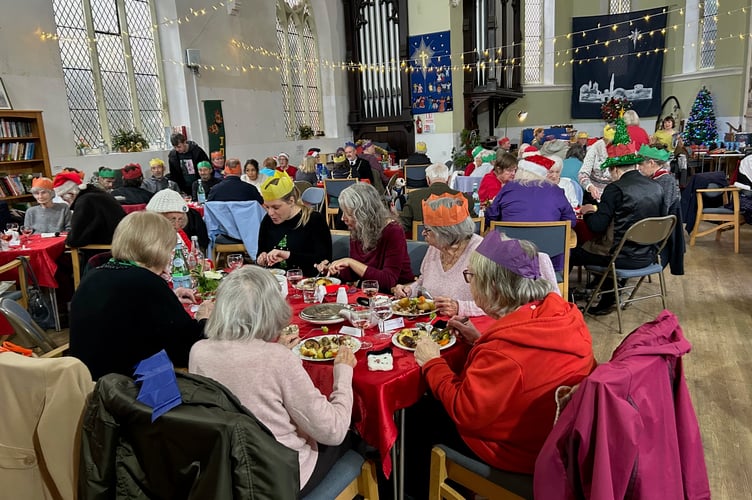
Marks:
<point>450,232</point>
<point>245,352</point>
<point>498,409</point>
<point>592,178</point>
<point>378,249</point>
<point>46,217</point>
<point>185,221</point>
<point>554,175</point>
<point>637,134</point>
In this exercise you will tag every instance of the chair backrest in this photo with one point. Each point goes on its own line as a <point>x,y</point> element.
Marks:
<point>480,225</point>
<point>340,244</point>
<point>21,282</point>
<point>571,167</point>
<point>334,188</point>
<point>649,231</point>
<point>313,197</point>
<point>415,176</point>
<point>76,260</point>
<point>20,319</point>
<point>301,186</point>
<point>416,250</point>
<point>240,220</point>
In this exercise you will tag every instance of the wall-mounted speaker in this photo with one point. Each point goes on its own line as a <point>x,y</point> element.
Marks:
<point>192,58</point>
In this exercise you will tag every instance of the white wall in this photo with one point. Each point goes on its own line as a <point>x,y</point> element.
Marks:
<point>254,125</point>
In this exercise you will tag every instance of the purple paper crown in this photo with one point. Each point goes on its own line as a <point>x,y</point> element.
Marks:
<point>509,254</point>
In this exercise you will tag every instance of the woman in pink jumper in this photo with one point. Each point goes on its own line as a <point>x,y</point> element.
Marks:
<point>245,352</point>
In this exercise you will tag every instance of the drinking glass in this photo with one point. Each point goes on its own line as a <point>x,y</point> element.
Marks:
<point>382,307</point>
<point>294,276</point>
<point>360,317</point>
<point>12,226</point>
<point>26,232</point>
<point>234,261</point>
<point>370,287</point>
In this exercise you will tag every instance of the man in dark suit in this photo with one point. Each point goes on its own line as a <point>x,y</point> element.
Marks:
<point>436,176</point>
<point>232,188</point>
<point>358,166</point>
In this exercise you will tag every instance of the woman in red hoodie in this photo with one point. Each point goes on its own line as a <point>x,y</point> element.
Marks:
<point>502,402</point>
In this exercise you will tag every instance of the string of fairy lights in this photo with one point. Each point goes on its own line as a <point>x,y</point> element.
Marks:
<point>492,56</point>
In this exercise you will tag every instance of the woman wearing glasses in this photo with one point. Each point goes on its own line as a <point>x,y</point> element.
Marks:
<point>500,407</point>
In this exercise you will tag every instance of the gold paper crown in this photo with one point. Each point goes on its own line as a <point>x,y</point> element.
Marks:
<point>276,187</point>
<point>445,209</point>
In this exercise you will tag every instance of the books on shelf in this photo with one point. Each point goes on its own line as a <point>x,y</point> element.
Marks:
<point>15,151</point>
<point>11,185</point>
<point>15,128</point>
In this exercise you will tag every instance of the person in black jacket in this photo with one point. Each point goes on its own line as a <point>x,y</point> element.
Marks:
<point>131,192</point>
<point>629,198</point>
<point>232,188</point>
<point>184,160</point>
<point>419,157</point>
<point>104,333</point>
<point>206,174</point>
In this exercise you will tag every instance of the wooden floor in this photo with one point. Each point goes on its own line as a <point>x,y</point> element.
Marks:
<point>713,301</point>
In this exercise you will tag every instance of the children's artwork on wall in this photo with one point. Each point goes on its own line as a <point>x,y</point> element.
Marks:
<point>430,73</point>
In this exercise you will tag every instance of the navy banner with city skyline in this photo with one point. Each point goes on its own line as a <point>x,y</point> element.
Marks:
<point>620,55</point>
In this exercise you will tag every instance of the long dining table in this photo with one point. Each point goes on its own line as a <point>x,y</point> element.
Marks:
<point>379,397</point>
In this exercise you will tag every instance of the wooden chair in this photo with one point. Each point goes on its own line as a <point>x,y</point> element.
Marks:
<point>221,249</point>
<point>552,238</point>
<point>333,188</point>
<point>722,218</point>
<point>351,476</point>
<point>476,476</point>
<point>25,327</point>
<point>652,231</point>
<point>22,286</point>
<point>480,225</point>
<point>76,260</point>
<point>301,186</point>
<point>415,176</point>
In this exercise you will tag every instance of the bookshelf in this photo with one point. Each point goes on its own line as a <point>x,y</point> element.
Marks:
<point>23,150</point>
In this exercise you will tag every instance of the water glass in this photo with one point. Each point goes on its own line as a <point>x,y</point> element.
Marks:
<point>294,276</point>
<point>382,308</point>
<point>370,287</point>
<point>234,261</point>
<point>309,296</point>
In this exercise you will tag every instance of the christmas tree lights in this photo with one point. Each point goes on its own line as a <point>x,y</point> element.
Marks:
<point>701,128</point>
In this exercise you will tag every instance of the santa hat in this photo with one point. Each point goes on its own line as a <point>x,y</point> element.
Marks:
<point>65,182</point>
<point>313,152</point>
<point>132,171</point>
<point>534,162</point>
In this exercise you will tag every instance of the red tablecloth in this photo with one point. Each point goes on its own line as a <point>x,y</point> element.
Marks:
<point>42,253</point>
<point>377,395</point>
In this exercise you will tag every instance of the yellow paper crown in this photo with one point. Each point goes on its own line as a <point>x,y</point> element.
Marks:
<point>445,209</point>
<point>276,187</point>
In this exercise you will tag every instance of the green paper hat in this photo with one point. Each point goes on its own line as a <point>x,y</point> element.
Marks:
<point>621,151</point>
<point>204,164</point>
<point>477,150</point>
<point>106,173</point>
<point>651,153</point>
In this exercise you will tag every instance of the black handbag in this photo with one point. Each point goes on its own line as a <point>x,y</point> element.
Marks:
<point>40,307</point>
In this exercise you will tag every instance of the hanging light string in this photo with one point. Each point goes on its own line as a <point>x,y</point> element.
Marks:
<point>456,61</point>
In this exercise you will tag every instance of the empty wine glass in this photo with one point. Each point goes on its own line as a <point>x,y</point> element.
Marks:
<point>370,287</point>
<point>382,307</point>
<point>294,276</point>
<point>234,261</point>
<point>360,317</point>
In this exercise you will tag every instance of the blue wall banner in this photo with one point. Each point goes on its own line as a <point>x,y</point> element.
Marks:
<point>431,73</point>
<point>620,55</point>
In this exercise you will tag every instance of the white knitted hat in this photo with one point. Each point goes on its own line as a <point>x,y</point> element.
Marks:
<point>165,201</point>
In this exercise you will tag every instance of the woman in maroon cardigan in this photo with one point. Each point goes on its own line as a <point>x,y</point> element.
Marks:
<point>378,250</point>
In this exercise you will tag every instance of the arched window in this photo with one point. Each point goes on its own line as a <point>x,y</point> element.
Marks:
<point>708,32</point>
<point>299,66</point>
<point>112,76</point>
<point>619,6</point>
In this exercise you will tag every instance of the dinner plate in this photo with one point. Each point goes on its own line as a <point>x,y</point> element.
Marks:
<point>296,349</point>
<point>452,341</point>
<point>309,283</point>
<point>278,272</point>
<point>323,314</point>
<point>411,315</point>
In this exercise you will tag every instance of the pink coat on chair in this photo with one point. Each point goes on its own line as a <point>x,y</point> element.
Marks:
<point>630,430</point>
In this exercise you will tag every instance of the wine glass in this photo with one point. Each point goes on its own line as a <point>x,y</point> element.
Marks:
<point>26,232</point>
<point>370,288</point>
<point>234,261</point>
<point>13,228</point>
<point>360,317</point>
<point>382,307</point>
<point>294,276</point>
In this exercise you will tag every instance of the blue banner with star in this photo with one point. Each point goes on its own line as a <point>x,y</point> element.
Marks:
<point>619,55</point>
<point>430,73</point>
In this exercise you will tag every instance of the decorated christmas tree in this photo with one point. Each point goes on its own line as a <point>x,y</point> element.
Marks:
<point>700,127</point>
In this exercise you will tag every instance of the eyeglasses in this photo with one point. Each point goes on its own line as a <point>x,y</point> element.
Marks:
<point>426,231</point>
<point>467,275</point>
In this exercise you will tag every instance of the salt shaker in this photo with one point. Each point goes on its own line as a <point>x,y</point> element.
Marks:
<point>342,295</point>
